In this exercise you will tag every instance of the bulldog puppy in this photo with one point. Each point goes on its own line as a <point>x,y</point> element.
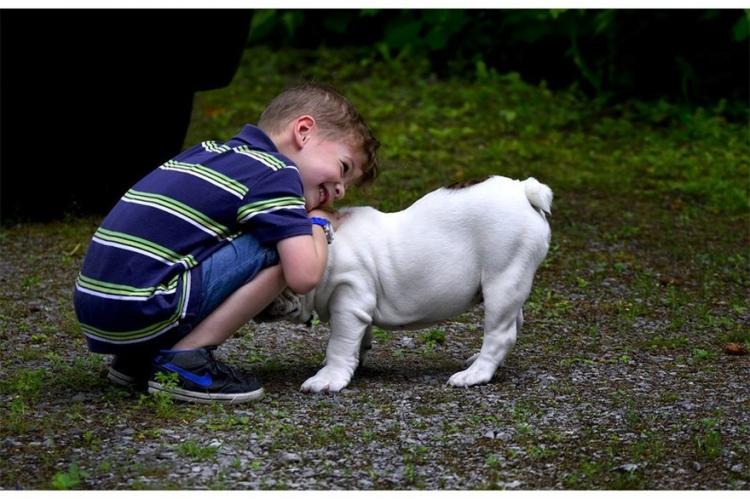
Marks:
<point>450,250</point>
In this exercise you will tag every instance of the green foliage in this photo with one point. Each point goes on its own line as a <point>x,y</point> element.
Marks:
<point>434,337</point>
<point>611,53</point>
<point>433,135</point>
<point>70,479</point>
<point>194,450</point>
<point>27,383</point>
<point>741,29</point>
<point>162,402</point>
<point>707,439</point>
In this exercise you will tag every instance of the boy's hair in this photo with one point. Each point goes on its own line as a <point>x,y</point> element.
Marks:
<point>334,114</point>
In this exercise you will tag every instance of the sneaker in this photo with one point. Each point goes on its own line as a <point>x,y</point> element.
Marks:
<point>130,371</point>
<point>202,378</point>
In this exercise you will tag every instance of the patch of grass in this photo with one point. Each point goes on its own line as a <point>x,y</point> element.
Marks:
<point>707,439</point>
<point>426,410</point>
<point>381,335</point>
<point>493,461</point>
<point>433,337</point>
<point>82,373</point>
<point>659,342</point>
<point>23,390</point>
<point>194,450</point>
<point>700,355</point>
<point>325,437</point>
<point>69,480</point>
<point>161,401</point>
<point>27,383</point>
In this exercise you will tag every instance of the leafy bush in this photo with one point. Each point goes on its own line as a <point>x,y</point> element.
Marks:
<point>696,56</point>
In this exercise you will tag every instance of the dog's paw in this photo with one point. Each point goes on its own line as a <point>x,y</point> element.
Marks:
<point>327,380</point>
<point>471,360</point>
<point>471,376</point>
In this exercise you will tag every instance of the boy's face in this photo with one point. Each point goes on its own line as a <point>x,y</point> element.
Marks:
<point>327,167</point>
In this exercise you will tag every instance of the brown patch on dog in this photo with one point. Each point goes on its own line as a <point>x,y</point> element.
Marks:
<point>468,183</point>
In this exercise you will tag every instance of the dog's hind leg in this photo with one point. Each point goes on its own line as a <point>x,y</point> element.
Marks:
<point>503,299</point>
<point>365,346</point>
<point>519,323</point>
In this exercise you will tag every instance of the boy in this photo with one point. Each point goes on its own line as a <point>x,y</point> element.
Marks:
<point>207,240</point>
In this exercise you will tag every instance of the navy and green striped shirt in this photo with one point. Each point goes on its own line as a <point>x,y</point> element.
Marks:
<point>141,277</point>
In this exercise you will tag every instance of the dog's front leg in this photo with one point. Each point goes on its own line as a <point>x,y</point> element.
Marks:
<point>342,355</point>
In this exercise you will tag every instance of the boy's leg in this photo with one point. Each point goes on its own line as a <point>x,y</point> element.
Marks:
<point>238,281</point>
<point>240,307</point>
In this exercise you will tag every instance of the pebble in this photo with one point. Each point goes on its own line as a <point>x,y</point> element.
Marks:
<point>364,484</point>
<point>628,468</point>
<point>291,457</point>
<point>407,342</point>
<point>498,435</point>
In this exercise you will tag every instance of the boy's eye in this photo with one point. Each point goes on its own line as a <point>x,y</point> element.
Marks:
<point>344,168</point>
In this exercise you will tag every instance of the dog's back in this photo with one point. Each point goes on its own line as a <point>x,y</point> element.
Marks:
<point>466,233</point>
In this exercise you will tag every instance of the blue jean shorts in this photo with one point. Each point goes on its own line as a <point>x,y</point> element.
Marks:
<point>225,271</point>
<point>231,267</point>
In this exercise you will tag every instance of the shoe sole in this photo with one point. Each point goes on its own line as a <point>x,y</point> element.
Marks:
<point>205,398</point>
<point>121,379</point>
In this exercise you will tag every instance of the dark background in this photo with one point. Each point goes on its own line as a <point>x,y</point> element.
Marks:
<point>694,56</point>
<point>92,100</point>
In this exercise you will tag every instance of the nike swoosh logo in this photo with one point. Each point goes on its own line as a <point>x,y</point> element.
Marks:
<point>205,381</point>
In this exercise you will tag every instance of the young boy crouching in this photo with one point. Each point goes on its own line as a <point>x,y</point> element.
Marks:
<point>207,240</point>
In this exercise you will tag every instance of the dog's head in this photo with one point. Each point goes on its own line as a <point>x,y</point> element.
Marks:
<point>288,306</point>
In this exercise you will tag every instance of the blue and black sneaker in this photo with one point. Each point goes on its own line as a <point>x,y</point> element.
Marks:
<point>202,378</point>
<point>130,371</point>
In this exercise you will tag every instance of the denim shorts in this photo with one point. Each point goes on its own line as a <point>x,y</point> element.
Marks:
<point>229,268</point>
<point>225,271</point>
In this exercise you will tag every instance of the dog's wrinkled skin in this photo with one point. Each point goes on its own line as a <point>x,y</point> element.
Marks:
<point>447,252</point>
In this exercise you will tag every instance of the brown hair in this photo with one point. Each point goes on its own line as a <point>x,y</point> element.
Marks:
<point>333,113</point>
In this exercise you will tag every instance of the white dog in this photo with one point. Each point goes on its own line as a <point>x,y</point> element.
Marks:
<point>448,251</point>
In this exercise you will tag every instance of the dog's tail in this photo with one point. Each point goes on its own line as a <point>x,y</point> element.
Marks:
<point>538,194</point>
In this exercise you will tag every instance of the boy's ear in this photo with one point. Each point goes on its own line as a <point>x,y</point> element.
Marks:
<point>303,129</point>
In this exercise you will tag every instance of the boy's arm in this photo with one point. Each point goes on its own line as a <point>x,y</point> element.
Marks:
<point>303,258</point>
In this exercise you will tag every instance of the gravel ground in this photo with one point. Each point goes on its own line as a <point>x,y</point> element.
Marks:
<point>620,378</point>
<point>585,400</point>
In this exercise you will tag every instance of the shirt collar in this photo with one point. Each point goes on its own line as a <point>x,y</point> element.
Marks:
<point>256,138</point>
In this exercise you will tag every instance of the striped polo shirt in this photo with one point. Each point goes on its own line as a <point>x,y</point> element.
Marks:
<point>141,275</point>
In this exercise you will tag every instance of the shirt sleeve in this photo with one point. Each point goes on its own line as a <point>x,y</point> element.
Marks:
<point>274,207</point>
